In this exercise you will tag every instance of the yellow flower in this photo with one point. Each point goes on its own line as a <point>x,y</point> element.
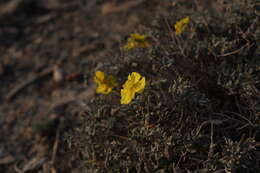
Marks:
<point>137,40</point>
<point>105,84</point>
<point>134,84</point>
<point>181,25</point>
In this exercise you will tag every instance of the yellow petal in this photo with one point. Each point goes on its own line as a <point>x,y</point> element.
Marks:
<point>180,25</point>
<point>138,37</point>
<point>99,77</point>
<point>126,96</point>
<point>139,86</point>
<point>135,77</point>
<point>129,83</point>
<point>130,45</point>
<point>103,89</point>
<point>100,89</point>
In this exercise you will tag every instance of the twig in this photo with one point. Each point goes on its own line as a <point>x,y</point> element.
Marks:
<point>24,84</point>
<point>235,51</point>
<point>121,137</point>
<point>56,143</point>
<point>211,146</point>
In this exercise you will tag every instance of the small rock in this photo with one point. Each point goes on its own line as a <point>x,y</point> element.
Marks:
<point>58,74</point>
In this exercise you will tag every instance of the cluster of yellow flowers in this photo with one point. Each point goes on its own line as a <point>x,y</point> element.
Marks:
<point>134,84</point>
<point>141,41</point>
<point>137,40</point>
<point>181,25</point>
